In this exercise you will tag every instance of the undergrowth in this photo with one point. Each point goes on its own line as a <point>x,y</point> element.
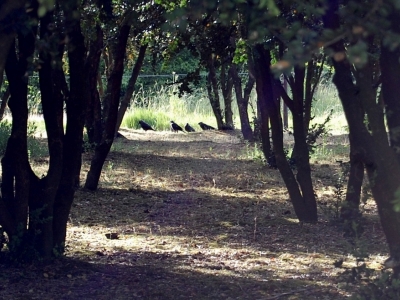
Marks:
<point>35,148</point>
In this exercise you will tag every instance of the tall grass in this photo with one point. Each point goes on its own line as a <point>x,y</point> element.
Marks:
<point>161,103</point>
<point>326,99</point>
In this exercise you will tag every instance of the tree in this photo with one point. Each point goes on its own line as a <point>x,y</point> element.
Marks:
<point>379,156</point>
<point>34,211</point>
<point>113,108</point>
<point>303,201</point>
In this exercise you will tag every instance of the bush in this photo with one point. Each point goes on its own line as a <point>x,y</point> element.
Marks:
<point>35,147</point>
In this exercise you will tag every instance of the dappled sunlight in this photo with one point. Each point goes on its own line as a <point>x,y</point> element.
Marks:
<point>205,208</point>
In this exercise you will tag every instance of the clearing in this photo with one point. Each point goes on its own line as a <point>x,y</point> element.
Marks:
<point>195,216</point>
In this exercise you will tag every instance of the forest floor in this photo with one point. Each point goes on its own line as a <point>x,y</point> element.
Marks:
<point>197,216</point>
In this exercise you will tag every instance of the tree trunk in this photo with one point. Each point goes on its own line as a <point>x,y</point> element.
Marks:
<point>76,110</point>
<point>243,102</point>
<point>131,86</point>
<point>15,165</point>
<point>93,113</point>
<point>304,207</point>
<point>212,90</point>
<point>110,112</point>
<point>42,200</point>
<point>382,165</point>
<point>349,211</point>
<point>390,87</point>
<point>226,87</point>
<point>8,8</point>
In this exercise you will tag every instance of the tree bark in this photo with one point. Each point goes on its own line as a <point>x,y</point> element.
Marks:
<point>243,102</point>
<point>41,202</point>
<point>8,8</point>
<point>304,207</point>
<point>131,86</point>
<point>382,165</point>
<point>93,113</point>
<point>212,90</point>
<point>76,110</point>
<point>15,166</point>
<point>110,112</point>
<point>302,153</point>
<point>226,87</point>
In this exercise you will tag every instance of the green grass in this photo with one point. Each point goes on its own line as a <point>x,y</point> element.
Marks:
<point>35,147</point>
<point>159,105</point>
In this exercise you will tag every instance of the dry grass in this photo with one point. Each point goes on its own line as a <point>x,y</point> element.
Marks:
<point>196,218</point>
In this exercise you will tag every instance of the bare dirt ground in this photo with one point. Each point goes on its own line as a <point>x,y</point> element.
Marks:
<point>194,216</point>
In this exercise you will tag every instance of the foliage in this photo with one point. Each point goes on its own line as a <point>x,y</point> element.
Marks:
<point>316,131</point>
<point>5,131</point>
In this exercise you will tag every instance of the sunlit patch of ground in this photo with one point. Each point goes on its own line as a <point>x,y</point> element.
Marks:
<point>195,216</point>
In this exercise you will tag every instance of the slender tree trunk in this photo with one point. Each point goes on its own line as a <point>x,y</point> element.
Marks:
<point>93,113</point>
<point>349,211</point>
<point>110,113</point>
<point>212,89</point>
<point>285,107</point>
<point>226,87</point>
<point>302,154</point>
<point>131,86</point>
<point>243,102</point>
<point>304,207</point>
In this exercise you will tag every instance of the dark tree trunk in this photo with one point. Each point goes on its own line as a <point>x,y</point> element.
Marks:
<point>212,90</point>
<point>302,154</point>
<point>93,113</point>
<point>42,200</point>
<point>76,110</point>
<point>8,8</point>
<point>382,165</point>
<point>349,211</point>
<point>243,102</point>
<point>226,87</point>
<point>285,108</point>
<point>304,207</point>
<point>390,88</point>
<point>15,165</point>
<point>131,86</point>
<point>110,112</point>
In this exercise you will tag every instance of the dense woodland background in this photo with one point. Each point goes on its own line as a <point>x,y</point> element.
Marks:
<point>266,74</point>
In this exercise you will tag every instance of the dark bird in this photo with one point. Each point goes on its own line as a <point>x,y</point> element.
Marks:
<point>189,128</point>
<point>205,126</point>
<point>175,127</point>
<point>145,126</point>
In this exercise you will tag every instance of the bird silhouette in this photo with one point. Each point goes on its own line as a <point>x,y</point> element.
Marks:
<point>145,126</point>
<point>189,128</point>
<point>205,126</point>
<point>175,127</point>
